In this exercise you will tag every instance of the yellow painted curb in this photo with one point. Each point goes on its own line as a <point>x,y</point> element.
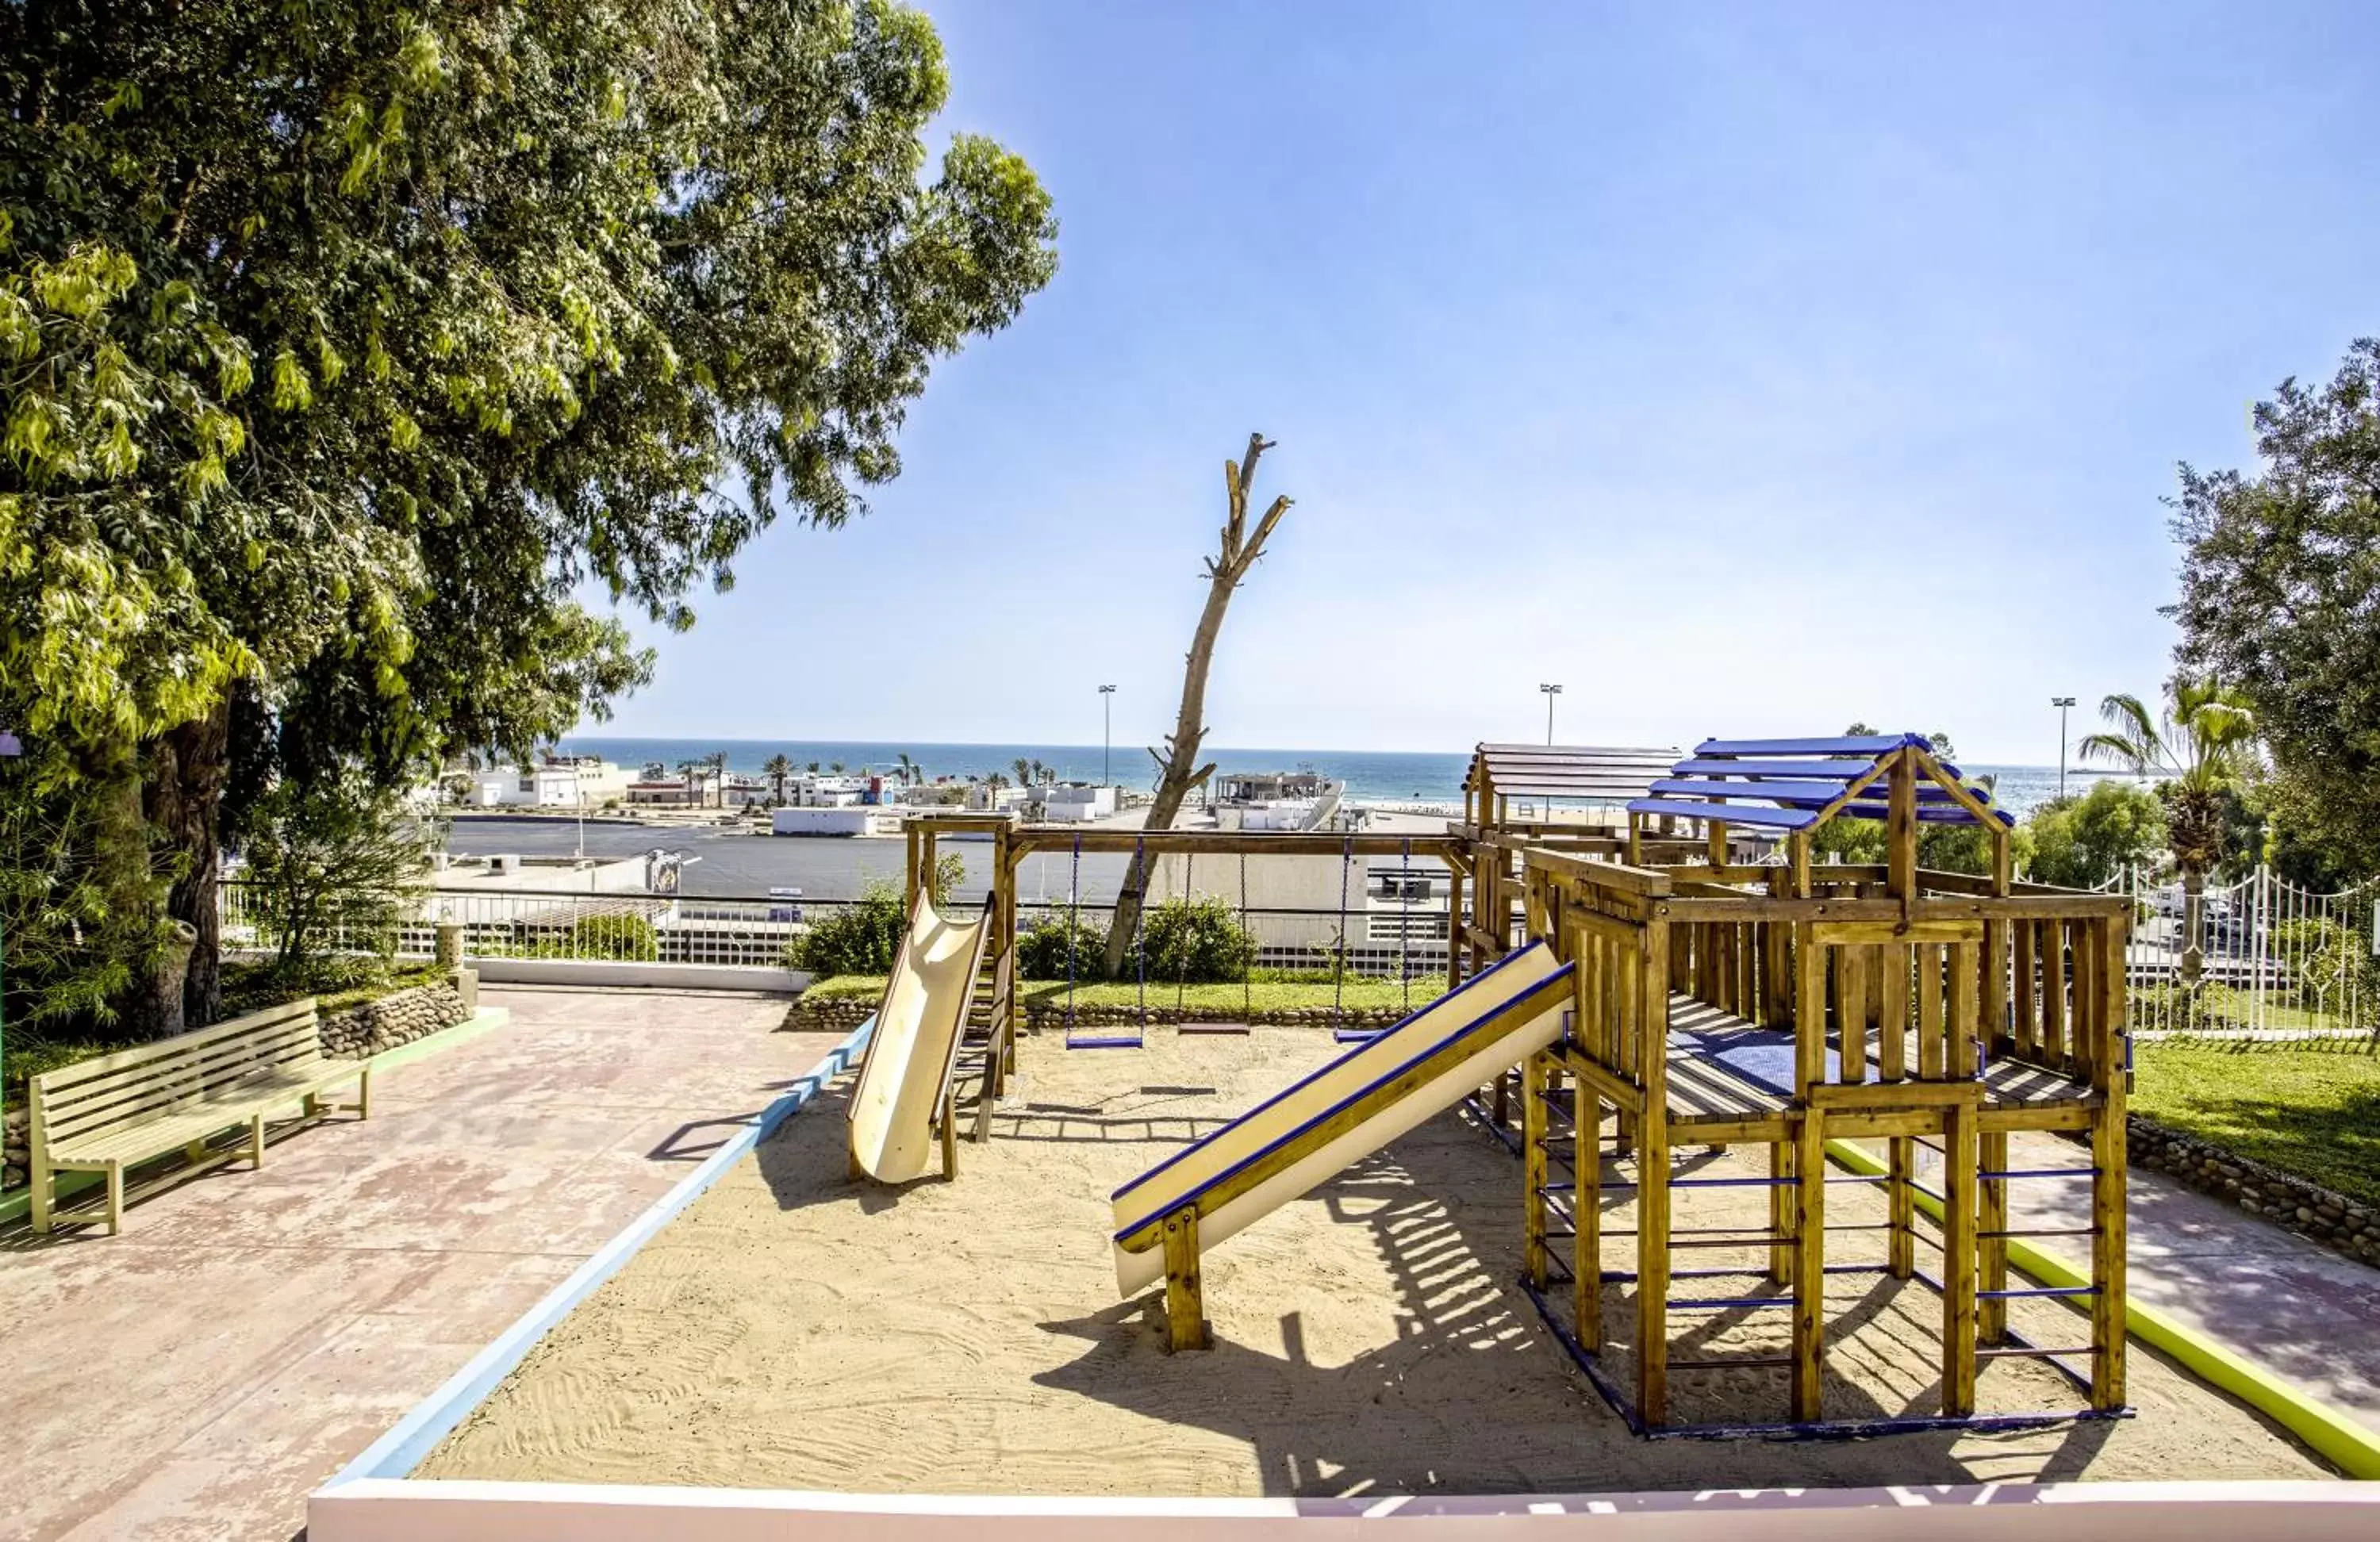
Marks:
<point>2340,1439</point>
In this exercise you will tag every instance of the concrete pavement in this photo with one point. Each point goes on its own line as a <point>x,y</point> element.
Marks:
<point>249,1333</point>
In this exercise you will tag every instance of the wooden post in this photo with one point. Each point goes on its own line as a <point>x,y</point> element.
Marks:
<point>1586,1215</point>
<point>1653,1179</point>
<point>2108,1155</point>
<point>1991,1252</point>
<point>1900,1203</point>
<point>1901,829</point>
<point>1958,1161</point>
<point>950,1118</point>
<point>1851,1036</point>
<point>1185,1307</point>
<point>1809,1263</point>
<point>1809,1014</point>
<point>908,866</point>
<point>1533,1168</point>
<point>1782,1207</point>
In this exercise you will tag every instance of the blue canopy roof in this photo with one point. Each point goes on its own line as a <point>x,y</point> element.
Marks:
<point>1784,783</point>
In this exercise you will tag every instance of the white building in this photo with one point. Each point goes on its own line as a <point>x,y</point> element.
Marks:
<point>555,783</point>
<point>853,820</point>
<point>1070,802</point>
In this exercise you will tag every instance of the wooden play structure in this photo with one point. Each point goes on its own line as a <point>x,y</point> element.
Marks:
<point>1790,1005</point>
<point>1658,971</point>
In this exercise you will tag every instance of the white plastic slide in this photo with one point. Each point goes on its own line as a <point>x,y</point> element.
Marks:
<point>1346,1111</point>
<point>915,1046</point>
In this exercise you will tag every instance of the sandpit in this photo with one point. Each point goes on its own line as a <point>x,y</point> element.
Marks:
<point>795,1329</point>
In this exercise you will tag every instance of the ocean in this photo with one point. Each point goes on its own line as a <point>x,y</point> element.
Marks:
<point>1372,776</point>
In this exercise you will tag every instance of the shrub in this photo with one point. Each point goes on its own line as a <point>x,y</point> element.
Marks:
<point>617,935</point>
<point>857,939</point>
<point>1042,948</point>
<point>1198,942</point>
<point>2330,965</point>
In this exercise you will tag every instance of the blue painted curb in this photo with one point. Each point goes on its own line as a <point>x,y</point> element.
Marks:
<point>397,1452</point>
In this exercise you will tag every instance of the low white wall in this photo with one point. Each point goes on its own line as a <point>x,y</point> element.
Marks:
<point>608,972</point>
<point>388,1510</point>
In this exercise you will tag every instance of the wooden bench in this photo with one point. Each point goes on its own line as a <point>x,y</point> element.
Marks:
<point>113,1112</point>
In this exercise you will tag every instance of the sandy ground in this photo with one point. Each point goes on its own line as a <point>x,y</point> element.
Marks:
<point>795,1329</point>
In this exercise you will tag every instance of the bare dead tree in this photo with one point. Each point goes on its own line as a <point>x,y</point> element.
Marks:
<point>1178,768</point>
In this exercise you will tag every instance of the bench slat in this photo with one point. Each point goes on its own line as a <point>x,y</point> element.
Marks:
<point>175,1079</point>
<point>68,1075</point>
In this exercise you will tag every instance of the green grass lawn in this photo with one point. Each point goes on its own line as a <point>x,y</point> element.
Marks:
<point>2313,1112</point>
<point>1220,999</point>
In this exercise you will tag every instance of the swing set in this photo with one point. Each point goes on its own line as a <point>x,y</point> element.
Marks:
<point>995,1034</point>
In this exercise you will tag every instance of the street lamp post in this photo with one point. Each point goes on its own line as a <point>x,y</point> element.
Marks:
<point>1551,692</point>
<point>2061,703</point>
<point>1107,733</point>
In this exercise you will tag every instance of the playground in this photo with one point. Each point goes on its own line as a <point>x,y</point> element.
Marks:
<point>1698,1138</point>
<point>800,1329</point>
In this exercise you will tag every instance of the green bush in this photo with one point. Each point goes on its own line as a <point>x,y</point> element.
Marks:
<point>1199,941</point>
<point>2329,963</point>
<point>1042,948</point>
<point>620,936</point>
<point>856,938</point>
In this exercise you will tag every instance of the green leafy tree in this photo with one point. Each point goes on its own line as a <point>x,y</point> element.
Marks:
<point>2280,586</point>
<point>776,771</point>
<point>343,346</point>
<point>2081,842</point>
<point>334,865</point>
<point>2201,750</point>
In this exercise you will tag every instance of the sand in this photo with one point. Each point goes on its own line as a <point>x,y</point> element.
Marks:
<point>796,1329</point>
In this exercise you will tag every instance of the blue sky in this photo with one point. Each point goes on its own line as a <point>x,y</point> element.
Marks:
<point>1746,370</point>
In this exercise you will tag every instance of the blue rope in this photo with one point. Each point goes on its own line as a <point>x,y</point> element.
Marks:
<point>1074,921</point>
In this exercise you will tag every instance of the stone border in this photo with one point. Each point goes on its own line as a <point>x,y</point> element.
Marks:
<point>2311,1210</point>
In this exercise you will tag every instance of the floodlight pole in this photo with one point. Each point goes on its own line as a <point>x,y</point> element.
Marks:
<point>1551,692</point>
<point>2061,703</point>
<point>1107,731</point>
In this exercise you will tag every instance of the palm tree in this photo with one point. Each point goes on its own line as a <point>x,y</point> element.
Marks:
<point>1024,770</point>
<point>813,768</point>
<point>687,771</point>
<point>908,771</point>
<point>2203,745</point>
<point>717,762</point>
<point>836,768</point>
<point>776,771</point>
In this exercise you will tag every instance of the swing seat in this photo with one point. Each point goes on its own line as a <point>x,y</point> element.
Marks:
<point>1194,1028</point>
<point>1103,1041</point>
<point>1356,1036</point>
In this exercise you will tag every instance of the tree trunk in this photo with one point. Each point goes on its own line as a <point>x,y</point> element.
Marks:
<point>188,768</point>
<point>120,854</point>
<point>2193,927</point>
<point>1178,769</point>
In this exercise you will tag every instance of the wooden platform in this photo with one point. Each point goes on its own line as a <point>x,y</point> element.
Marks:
<point>1712,1094</point>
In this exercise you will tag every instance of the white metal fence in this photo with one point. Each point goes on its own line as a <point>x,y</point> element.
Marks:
<point>2274,960</point>
<point>1383,940</point>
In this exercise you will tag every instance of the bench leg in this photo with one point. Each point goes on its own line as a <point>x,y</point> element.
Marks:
<point>115,1198</point>
<point>256,1141</point>
<point>42,1178</point>
<point>363,1094</point>
<point>310,1106</point>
